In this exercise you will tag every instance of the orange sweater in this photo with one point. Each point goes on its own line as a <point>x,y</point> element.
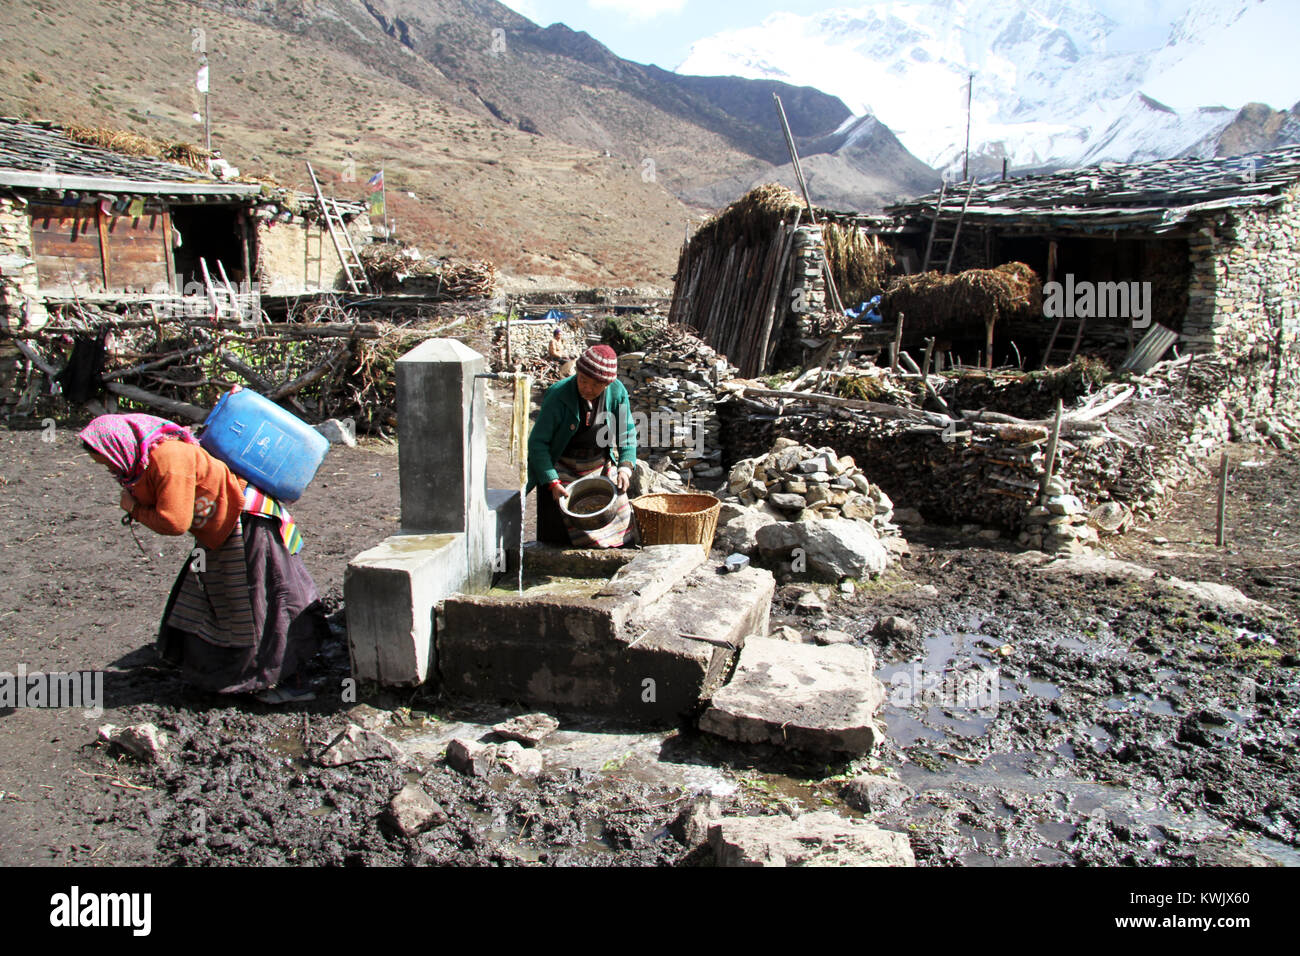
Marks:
<point>186,489</point>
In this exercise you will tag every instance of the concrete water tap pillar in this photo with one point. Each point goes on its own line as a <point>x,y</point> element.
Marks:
<point>453,530</point>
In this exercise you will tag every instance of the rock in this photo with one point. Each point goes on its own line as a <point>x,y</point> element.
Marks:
<point>814,839</point>
<point>529,729</point>
<point>831,636</point>
<point>690,828</point>
<point>739,535</point>
<point>647,481</point>
<point>872,794</point>
<point>795,486</point>
<point>471,757</point>
<point>515,758</point>
<point>819,700</point>
<point>368,718</point>
<point>742,473</point>
<point>989,534</point>
<point>356,744</point>
<point>816,493</point>
<point>813,465</point>
<point>1055,487</point>
<point>831,548</point>
<point>860,482</point>
<point>412,811</point>
<point>810,603</point>
<point>145,742</point>
<point>757,489</point>
<point>908,517</point>
<point>786,633</point>
<point>847,588</point>
<point>927,590</point>
<point>344,432</point>
<point>1064,505</point>
<point>895,630</point>
<point>729,510</point>
<point>787,501</point>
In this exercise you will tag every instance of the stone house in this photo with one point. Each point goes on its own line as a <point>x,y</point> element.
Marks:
<point>1211,247</point>
<point>83,222</point>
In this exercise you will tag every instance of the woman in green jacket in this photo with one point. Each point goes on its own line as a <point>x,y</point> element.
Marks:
<point>584,427</point>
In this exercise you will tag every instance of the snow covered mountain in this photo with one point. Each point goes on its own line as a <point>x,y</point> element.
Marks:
<point>1056,82</point>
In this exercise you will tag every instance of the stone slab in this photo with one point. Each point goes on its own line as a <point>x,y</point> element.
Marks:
<point>814,839</point>
<point>610,656</point>
<point>553,560</point>
<point>820,700</point>
<point>390,592</point>
<point>650,575</point>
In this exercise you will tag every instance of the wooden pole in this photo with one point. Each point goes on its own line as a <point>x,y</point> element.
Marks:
<point>1049,460</point>
<point>925,363</point>
<point>897,347</point>
<point>1219,534</point>
<point>509,312</point>
<point>836,304</point>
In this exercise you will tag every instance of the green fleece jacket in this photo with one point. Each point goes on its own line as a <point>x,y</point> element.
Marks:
<point>559,419</point>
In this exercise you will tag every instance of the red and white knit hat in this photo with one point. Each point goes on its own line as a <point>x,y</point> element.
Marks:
<point>599,362</point>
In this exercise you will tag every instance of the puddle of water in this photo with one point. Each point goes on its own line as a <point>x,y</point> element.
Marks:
<point>1042,688</point>
<point>1144,702</point>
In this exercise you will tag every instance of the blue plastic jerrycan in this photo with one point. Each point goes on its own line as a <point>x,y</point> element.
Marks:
<point>263,444</point>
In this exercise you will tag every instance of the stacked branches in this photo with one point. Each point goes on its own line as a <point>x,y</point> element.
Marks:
<point>393,269</point>
<point>321,364</point>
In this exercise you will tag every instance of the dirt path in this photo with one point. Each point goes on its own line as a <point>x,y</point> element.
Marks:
<point>1133,725</point>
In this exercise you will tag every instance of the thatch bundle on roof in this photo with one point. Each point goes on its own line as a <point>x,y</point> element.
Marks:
<point>133,144</point>
<point>932,301</point>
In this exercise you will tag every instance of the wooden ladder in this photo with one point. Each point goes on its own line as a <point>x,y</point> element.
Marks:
<point>1074,345</point>
<point>937,242</point>
<point>353,270</point>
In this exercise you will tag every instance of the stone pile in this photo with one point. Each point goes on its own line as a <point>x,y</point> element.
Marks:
<point>1059,524</point>
<point>800,483</point>
<point>673,383</point>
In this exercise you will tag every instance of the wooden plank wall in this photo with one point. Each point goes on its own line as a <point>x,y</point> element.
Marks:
<point>70,243</point>
<point>65,240</point>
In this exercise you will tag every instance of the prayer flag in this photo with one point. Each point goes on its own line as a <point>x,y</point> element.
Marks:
<point>376,181</point>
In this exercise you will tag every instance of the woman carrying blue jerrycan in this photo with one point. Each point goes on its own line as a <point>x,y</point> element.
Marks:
<point>244,615</point>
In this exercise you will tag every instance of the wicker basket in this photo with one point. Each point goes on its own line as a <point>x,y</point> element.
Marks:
<point>677,519</point>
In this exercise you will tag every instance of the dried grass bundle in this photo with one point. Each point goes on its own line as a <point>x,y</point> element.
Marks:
<point>933,301</point>
<point>134,144</point>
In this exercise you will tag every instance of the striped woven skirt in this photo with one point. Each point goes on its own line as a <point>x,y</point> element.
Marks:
<point>552,525</point>
<point>246,618</point>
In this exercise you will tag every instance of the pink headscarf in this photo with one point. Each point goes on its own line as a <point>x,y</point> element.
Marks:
<point>125,440</point>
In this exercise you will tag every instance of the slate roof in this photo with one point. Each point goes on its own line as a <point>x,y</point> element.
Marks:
<point>27,150</point>
<point>1155,196</point>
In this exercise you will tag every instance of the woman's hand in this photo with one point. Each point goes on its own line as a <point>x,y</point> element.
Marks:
<point>559,492</point>
<point>623,479</point>
<point>127,501</point>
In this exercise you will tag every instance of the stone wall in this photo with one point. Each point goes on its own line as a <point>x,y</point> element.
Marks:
<point>19,295</point>
<point>806,300</point>
<point>1245,283</point>
<point>299,256</point>
<point>530,344</point>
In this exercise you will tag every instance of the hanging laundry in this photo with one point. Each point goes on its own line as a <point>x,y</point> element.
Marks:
<point>176,238</point>
<point>136,209</point>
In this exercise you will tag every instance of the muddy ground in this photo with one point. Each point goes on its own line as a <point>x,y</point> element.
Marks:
<point>1132,724</point>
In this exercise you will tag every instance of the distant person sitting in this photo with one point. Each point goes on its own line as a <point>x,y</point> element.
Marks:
<point>559,354</point>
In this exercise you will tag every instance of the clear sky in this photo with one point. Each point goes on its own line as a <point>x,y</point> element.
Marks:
<point>662,31</point>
